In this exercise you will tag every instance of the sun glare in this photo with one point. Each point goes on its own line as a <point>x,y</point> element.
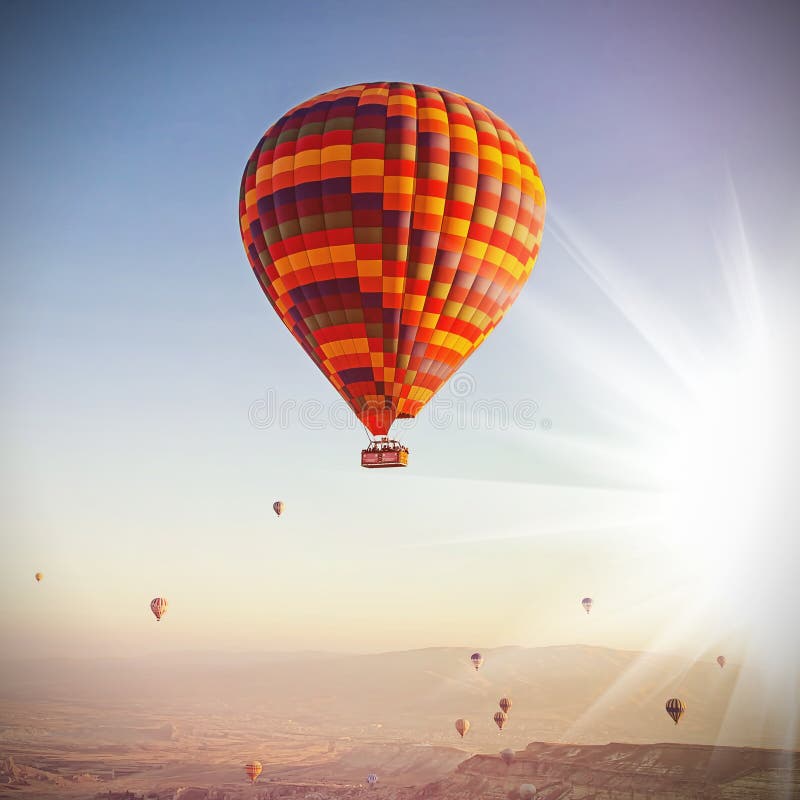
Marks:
<point>715,469</point>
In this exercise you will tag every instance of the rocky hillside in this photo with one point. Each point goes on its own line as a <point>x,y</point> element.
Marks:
<point>564,772</point>
<point>626,771</point>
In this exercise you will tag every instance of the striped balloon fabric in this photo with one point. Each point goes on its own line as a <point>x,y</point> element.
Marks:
<point>253,770</point>
<point>391,226</point>
<point>675,708</point>
<point>159,605</point>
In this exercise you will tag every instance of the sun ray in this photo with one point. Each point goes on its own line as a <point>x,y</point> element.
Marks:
<point>713,476</point>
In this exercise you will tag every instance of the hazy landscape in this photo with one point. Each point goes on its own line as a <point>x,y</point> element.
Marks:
<point>320,722</point>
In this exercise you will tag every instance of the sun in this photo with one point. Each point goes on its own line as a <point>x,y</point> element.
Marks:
<point>715,468</point>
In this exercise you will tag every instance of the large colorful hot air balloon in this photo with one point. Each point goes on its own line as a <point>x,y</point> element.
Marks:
<point>158,605</point>
<point>277,507</point>
<point>253,770</point>
<point>507,755</point>
<point>675,708</point>
<point>391,226</point>
<point>372,779</point>
<point>477,660</point>
<point>462,726</point>
<point>38,576</point>
<point>721,661</point>
<point>505,704</point>
<point>500,718</point>
<point>587,603</point>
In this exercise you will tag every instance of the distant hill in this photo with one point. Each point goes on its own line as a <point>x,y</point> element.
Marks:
<point>575,694</point>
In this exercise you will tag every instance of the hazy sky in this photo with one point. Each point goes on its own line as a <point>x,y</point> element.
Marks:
<point>142,365</point>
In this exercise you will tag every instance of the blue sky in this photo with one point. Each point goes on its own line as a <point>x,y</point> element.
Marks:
<point>137,346</point>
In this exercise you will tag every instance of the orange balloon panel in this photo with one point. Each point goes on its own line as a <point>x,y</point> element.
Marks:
<point>391,226</point>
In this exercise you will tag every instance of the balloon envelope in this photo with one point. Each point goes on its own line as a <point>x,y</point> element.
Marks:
<point>158,606</point>
<point>477,660</point>
<point>721,661</point>
<point>507,755</point>
<point>587,603</point>
<point>675,708</point>
<point>277,507</point>
<point>391,226</point>
<point>500,718</point>
<point>462,726</point>
<point>253,770</point>
<point>372,779</point>
<point>527,791</point>
<point>505,704</point>
<point>38,576</point>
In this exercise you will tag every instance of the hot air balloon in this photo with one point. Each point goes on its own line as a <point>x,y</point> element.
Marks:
<point>500,718</point>
<point>38,576</point>
<point>721,661</point>
<point>277,507</point>
<point>158,605</point>
<point>587,603</point>
<point>391,226</point>
<point>462,726</point>
<point>253,770</point>
<point>507,755</point>
<point>505,704</point>
<point>527,791</point>
<point>675,708</point>
<point>477,660</point>
<point>372,779</point>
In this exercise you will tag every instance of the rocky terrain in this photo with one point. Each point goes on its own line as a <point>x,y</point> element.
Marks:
<point>183,727</point>
<point>558,771</point>
<point>622,771</point>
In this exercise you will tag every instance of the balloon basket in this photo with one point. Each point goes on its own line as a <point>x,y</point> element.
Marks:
<point>384,453</point>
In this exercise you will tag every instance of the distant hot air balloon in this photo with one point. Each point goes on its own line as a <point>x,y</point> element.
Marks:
<point>587,603</point>
<point>507,755</point>
<point>675,708</point>
<point>500,718</point>
<point>721,661</point>
<point>477,660</point>
<point>505,704</point>
<point>462,726</point>
<point>253,770</point>
<point>277,507</point>
<point>391,226</point>
<point>372,779</point>
<point>158,606</point>
<point>527,791</point>
<point>38,576</point>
